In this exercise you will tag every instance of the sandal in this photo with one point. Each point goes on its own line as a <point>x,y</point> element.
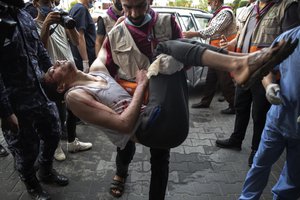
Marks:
<point>117,187</point>
<point>270,57</point>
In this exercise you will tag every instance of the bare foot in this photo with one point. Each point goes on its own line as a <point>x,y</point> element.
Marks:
<point>258,64</point>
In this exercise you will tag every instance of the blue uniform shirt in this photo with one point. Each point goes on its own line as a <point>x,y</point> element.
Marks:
<point>284,117</point>
<point>22,59</point>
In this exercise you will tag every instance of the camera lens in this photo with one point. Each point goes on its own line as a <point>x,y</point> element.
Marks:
<point>68,22</point>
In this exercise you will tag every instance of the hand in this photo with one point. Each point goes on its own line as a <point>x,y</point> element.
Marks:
<point>11,123</point>
<point>189,34</point>
<point>141,77</point>
<point>86,67</point>
<point>223,42</point>
<point>52,18</point>
<point>272,94</point>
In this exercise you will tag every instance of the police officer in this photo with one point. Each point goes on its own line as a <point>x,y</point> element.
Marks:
<point>29,120</point>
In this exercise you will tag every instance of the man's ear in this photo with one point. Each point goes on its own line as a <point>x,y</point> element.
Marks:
<point>61,88</point>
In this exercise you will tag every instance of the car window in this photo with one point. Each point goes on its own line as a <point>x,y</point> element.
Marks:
<point>201,21</point>
<point>187,23</point>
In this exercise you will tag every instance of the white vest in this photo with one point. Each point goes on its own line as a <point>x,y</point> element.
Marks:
<point>126,54</point>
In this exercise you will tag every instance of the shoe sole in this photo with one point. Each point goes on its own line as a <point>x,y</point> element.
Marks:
<point>79,150</point>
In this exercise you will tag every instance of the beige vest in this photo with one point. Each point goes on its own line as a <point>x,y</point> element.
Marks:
<point>126,54</point>
<point>108,22</point>
<point>267,29</point>
<point>230,30</point>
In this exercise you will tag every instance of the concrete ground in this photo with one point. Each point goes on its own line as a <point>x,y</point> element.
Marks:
<point>198,169</point>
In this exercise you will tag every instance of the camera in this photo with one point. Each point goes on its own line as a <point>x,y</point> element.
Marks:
<point>66,21</point>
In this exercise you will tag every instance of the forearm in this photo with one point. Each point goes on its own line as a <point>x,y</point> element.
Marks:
<point>82,47</point>
<point>98,43</point>
<point>268,80</point>
<point>73,36</point>
<point>132,112</point>
<point>45,34</point>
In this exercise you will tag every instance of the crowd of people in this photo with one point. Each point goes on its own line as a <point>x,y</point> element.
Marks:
<point>127,75</point>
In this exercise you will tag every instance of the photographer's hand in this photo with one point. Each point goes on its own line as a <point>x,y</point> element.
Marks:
<point>52,18</point>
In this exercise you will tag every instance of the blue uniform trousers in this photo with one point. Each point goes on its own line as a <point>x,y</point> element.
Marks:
<point>270,148</point>
<point>39,135</point>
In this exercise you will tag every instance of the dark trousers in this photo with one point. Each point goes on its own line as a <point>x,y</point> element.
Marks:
<point>71,125</point>
<point>255,96</point>
<point>213,78</point>
<point>165,120</point>
<point>159,168</point>
<point>165,124</point>
<point>38,135</point>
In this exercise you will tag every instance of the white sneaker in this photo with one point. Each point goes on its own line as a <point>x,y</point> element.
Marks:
<point>59,153</point>
<point>76,146</point>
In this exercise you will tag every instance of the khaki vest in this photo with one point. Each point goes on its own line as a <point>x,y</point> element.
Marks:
<point>229,32</point>
<point>267,29</point>
<point>108,22</point>
<point>126,54</point>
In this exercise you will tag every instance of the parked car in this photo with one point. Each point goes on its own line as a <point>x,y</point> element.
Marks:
<point>190,19</point>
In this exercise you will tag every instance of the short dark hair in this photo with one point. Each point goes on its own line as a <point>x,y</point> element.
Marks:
<point>51,91</point>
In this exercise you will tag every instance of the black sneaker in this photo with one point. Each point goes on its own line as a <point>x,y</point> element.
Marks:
<point>52,177</point>
<point>35,190</point>
<point>229,144</point>
<point>251,156</point>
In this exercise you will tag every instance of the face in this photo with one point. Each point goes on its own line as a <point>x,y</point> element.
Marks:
<point>135,10</point>
<point>59,71</point>
<point>212,4</point>
<point>118,5</point>
<point>44,7</point>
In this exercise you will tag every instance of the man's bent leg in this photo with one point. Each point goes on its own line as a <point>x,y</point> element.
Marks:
<point>159,173</point>
<point>124,158</point>
<point>165,121</point>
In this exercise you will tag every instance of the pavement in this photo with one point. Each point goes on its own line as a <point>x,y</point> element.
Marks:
<point>198,169</point>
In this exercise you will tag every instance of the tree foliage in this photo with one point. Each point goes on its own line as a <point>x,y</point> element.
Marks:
<point>181,3</point>
<point>202,4</point>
